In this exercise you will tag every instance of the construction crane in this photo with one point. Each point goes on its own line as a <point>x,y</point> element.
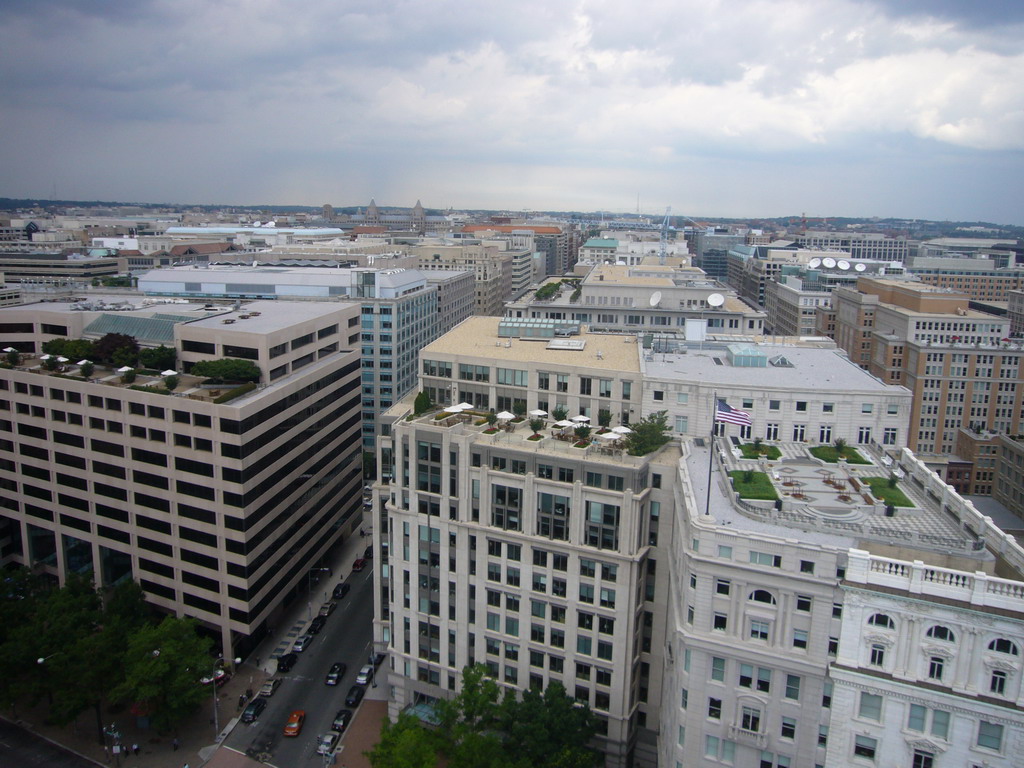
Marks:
<point>664,236</point>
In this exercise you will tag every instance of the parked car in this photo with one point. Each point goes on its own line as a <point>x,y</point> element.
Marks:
<point>368,552</point>
<point>328,743</point>
<point>342,719</point>
<point>336,673</point>
<point>269,686</point>
<point>355,695</point>
<point>340,591</point>
<point>365,675</point>
<point>254,709</point>
<point>286,662</point>
<point>378,658</point>
<point>316,625</point>
<point>327,608</point>
<point>359,564</point>
<point>295,721</point>
<point>302,643</point>
<point>218,678</point>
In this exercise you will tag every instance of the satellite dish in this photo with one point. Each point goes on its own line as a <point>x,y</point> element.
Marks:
<point>255,262</point>
<point>814,263</point>
<point>843,264</point>
<point>860,267</point>
<point>716,300</point>
<point>271,223</point>
<point>257,224</point>
<point>655,298</point>
<point>829,262</point>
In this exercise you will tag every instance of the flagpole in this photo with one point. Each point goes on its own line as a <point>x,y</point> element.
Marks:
<point>711,456</point>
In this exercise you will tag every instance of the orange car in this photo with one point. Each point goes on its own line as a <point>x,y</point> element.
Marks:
<point>295,721</point>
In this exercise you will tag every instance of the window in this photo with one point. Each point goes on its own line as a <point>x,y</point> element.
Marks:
<point>799,638</point>
<point>763,558</point>
<point>936,666</point>
<point>916,718</point>
<point>806,566</point>
<point>877,655</point>
<point>939,632</point>
<point>923,759</point>
<point>990,735</point>
<point>792,687</point>
<point>750,719</point>
<point>762,596</point>
<point>720,622</point>
<point>803,603</point>
<point>722,586</point>
<point>1002,645</point>
<point>870,707</point>
<point>717,668</point>
<point>715,709</point>
<point>997,683</point>
<point>725,551</point>
<point>881,620</point>
<point>865,746</point>
<point>759,629</point>
<point>788,730</point>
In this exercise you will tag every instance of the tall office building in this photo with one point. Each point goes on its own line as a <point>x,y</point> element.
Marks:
<point>217,502</point>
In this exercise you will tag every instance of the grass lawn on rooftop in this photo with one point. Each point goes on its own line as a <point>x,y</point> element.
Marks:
<point>770,452</point>
<point>880,490</point>
<point>758,487</point>
<point>831,455</point>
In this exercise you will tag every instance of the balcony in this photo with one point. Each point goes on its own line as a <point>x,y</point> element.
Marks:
<point>744,736</point>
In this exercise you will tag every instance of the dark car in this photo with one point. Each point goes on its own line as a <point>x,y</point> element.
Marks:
<point>368,552</point>
<point>359,564</point>
<point>355,695</point>
<point>342,719</point>
<point>286,662</point>
<point>378,658</point>
<point>340,591</point>
<point>337,672</point>
<point>254,709</point>
<point>316,625</point>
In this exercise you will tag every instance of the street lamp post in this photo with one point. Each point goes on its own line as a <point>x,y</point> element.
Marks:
<point>213,682</point>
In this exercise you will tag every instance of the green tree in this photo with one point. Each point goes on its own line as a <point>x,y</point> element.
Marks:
<point>560,413</point>
<point>405,744</point>
<point>582,432</point>
<point>87,369</point>
<point>604,417</point>
<point>491,418</point>
<point>840,446</point>
<point>162,668</point>
<point>72,349</point>
<point>14,358</point>
<point>648,435</point>
<point>228,369</point>
<point>536,425</point>
<point>422,403</point>
<point>128,377</point>
<point>158,358</point>
<point>519,408</point>
<point>171,382</point>
<point>51,363</point>
<point>116,349</point>
<point>549,729</point>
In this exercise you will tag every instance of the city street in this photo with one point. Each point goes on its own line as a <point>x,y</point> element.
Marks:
<point>346,637</point>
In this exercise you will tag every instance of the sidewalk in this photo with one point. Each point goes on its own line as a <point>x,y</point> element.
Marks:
<point>197,742</point>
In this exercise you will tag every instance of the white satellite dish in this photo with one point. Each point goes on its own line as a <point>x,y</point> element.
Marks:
<point>255,262</point>
<point>843,264</point>
<point>257,224</point>
<point>814,263</point>
<point>655,298</point>
<point>860,267</point>
<point>716,300</point>
<point>828,262</point>
<point>271,223</point>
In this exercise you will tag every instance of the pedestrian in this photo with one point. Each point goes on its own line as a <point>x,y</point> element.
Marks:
<point>135,749</point>
<point>106,752</point>
<point>174,743</point>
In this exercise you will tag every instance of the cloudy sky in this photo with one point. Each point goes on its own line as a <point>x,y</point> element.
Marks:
<point>714,107</point>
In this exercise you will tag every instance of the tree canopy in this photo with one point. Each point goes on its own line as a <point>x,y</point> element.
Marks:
<point>72,349</point>
<point>487,726</point>
<point>228,369</point>
<point>158,358</point>
<point>116,349</point>
<point>649,434</point>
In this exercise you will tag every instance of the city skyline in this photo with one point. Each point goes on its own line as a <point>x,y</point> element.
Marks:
<point>756,109</point>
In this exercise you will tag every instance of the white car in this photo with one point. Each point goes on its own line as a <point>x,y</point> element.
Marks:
<point>365,675</point>
<point>302,643</point>
<point>328,743</point>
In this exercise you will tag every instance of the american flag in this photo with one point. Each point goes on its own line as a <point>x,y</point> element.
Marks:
<point>731,415</point>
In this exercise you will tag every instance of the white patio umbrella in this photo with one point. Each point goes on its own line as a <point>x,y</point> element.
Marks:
<point>622,430</point>
<point>464,406</point>
<point>505,415</point>
<point>609,435</point>
<point>62,360</point>
<point>168,373</point>
<point>83,362</point>
<point>581,419</point>
<point>45,357</point>
<point>563,423</point>
<point>10,349</point>
<point>538,413</point>
<point>453,409</point>
<point>125,369</point>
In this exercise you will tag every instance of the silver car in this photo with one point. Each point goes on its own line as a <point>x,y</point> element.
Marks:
<point>302,643</point>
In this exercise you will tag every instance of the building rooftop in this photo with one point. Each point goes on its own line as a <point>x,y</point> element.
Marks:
<point>601,242</point>
<point>711,364</point>
<point>478,337</point>
<point>268,316</point>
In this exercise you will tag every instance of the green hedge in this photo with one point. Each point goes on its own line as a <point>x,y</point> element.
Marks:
<point>231,394</point>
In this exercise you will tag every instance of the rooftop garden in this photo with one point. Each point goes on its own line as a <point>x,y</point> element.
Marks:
<point>839,449</point>
<point>753,485</point>
<point>886,489</point>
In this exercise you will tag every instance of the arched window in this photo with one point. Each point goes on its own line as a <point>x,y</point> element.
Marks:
<point>762,596</point>
<point>1002,645</point>
<point>939,632</point>
<point>881,620</point>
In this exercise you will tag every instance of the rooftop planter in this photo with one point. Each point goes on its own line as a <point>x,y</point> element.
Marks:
<point>753,485</point>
